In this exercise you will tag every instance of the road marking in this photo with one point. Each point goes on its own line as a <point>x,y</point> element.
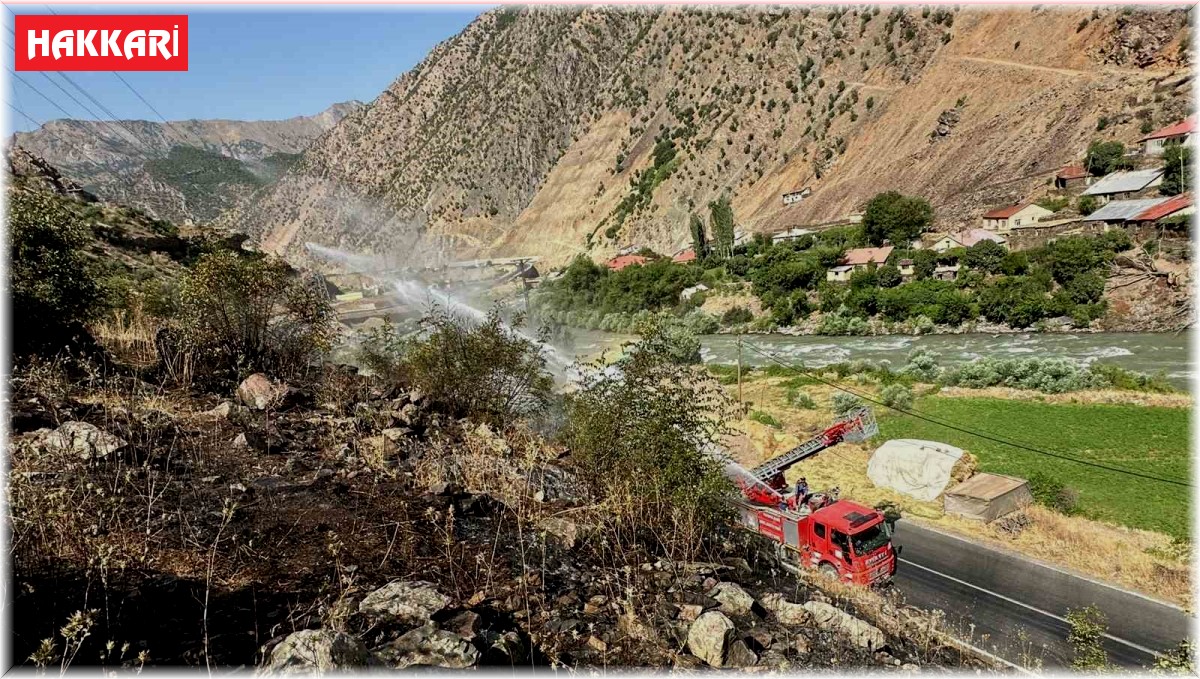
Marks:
<point>1022,604</point>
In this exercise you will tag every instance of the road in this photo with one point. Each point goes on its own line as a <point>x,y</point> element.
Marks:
<point>1014,607</point>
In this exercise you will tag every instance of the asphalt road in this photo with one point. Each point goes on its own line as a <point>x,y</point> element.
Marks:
<point>1014,607</point>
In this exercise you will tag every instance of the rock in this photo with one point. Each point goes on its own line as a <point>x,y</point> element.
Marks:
<point>505,649</point>
<point>909,667</point>
<point>758,639</point>
<point>445,489</point>
<point>734,600</point>
<point>595,605</point>
<point>221,411</point>
<point>666,610</point>
<point>710,636</point>
<point>465,624</point>
<point>786,612</point>
<point>862,633</point>
<point>240,441</point>
<point>404,601</point>
<point>314,651</point>
<point>565,530</point>
<point>690,612</point>
<point>396,436</point>
<point>597,644</point>
<point>430,647</point>
<point>740,655</point>
<point>83,440</point>
<point>801,644</point>
<point>258,392</point>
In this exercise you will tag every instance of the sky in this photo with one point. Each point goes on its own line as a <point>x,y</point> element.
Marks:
<point>249,63</point>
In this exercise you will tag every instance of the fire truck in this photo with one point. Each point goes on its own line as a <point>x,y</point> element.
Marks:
<point>839,538</point>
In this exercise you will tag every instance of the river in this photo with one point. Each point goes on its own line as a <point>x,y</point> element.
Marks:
<point>1149,353</point>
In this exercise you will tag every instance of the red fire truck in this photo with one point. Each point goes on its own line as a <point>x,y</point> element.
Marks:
<point>840,538</point>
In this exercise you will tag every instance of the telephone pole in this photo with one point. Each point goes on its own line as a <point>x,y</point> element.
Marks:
<point>741,402</point>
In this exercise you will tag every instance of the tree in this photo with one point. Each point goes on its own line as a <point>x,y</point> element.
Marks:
<point>699,240</point>
<point>888,276</point>
<point>1103,157</point>
<point>246,314</point>
<point>897,218</point>
<point>924,263</point>
<point>721,222</point>
<point>1177,170</point>
<point>986,255</point>
<point>1086,205</point>
<point>53,287</point>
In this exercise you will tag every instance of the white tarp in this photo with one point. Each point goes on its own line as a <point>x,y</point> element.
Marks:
<point>919,469</point>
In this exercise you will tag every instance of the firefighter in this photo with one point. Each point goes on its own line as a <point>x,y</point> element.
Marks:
<point>801,491</point>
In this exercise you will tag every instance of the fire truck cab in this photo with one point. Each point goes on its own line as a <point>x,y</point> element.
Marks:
<point>842,539</point>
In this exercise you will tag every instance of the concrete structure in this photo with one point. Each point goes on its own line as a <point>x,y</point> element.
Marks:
<point>839,274</point>
<point>987,497</point>
<point>790,234</point>
<point>793,197</point>
<point>1005,218</point>
<point>1141,210</point>
<point>940,242</point>
<point>861,258</point>
<point>687,293</point>
<point>1155,143</point>
<point>907,271</point>
<point>946,272</point>
<point>972,237</point>
<point>1120,185</point>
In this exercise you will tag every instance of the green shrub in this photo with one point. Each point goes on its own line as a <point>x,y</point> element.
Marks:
<point>736,316</point>
<point>248,314</point>
<point>1086,205</point>
<point>800,399</point>
<point>766,418</point>
<point>1088,628</point>
<point>898,396</point>
<point>922,365</point>
<point>1120,378</point>
<point>53,287</point>
<point>1049,375</point>
<point>844,404</point>
<point>1049,492</point>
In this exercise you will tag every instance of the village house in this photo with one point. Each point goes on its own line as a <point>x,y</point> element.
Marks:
<point>972,237</point>
<point>1120,185</point>
<point>618,263</point>
<point>1155,143</point>
<point>1141,211</point>
<point>794,197</point>
<point>946,272</point>
<point>790,234</point>
<point>1072,176</point>
<point>687,293</point>
<point>684,256</point>
<point>1005,218</point>
<point>940,242</point>
<point>859,259</point>
<point>907,271</point>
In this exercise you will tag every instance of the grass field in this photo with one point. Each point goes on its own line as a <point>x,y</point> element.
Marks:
<point>1144,439</point>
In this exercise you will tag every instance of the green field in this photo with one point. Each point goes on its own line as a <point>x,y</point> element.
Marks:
<point>1147,440</point>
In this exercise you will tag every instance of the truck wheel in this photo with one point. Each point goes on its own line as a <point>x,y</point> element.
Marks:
<point>828,571</point>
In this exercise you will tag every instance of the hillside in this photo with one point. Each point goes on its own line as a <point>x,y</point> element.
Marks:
<point>554,132</point>
<point>188,170</point>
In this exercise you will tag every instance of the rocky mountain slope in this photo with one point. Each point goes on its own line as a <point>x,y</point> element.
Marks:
<point>188,170</point>
<point>558,131</point>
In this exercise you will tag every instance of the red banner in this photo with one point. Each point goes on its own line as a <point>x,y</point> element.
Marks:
<point>101,42</point>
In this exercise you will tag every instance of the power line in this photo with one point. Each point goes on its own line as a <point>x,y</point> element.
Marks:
<point>160,116</point>
<point>115,118</point>
<point>62,141</point>
<point>983,435</point>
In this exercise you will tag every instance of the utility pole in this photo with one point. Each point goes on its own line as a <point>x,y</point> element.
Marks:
<point>741,402</point>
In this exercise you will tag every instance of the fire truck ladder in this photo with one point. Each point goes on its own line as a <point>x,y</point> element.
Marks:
<point>859,425</point>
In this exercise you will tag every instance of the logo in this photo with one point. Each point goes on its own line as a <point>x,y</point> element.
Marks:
<point>101,42</point>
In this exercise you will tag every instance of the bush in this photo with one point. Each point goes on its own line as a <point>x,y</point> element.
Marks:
<point>766,418</point>
<point>53,288</point>
<point>484,371</point>
<point>1120,378</point>
<point>1177,170</point>
<point>800,399</point>
<point>1048,375</point>
<point>1086,205</point>
<point>922,365</point>
<point>898,396</point>
<point>842,322</point>
<point>1049,492</point>
<point>844,404</point>
<point>251,314</point>
<point>736,316</point>
<point>1103,157</point>
<point>1088,627</point>
<point>638,430</point>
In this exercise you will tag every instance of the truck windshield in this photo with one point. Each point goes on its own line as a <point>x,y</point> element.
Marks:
<point>869,540</point>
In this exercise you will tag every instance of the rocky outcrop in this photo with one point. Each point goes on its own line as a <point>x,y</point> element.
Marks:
<point>404,602</point>
<point>259,392</point>
<point>82,440</point>
<point>314,651</point>
<point>710,637</point>
<point>862,633</point>
<point>428,646</point>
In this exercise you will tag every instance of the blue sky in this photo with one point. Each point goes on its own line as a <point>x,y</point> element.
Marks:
<point>252,63</point>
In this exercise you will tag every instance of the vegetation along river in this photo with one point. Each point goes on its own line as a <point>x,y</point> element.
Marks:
<point>1149,353</point>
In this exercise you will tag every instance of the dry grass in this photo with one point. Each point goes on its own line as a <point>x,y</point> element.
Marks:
<point>129,335</point>
<point>1137,559</point>
<point>1106,396</point>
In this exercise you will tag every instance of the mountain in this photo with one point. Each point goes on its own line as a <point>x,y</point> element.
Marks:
<point>558,131</point>
<point>187,170</point>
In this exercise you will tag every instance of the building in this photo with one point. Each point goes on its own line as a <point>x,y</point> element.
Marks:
<point>940,242</point>
<point>1120,185</point>
<point>946,272</point>
<point>839,274</point>
<point>793,197</point>
<point>684,256</point>
<point>687,293</point>
<point>618,263</point>
<point>1141,211</point>
<point>973,237</point>
<point>1072,176</point>
<point>790,234</point>
<point>907,271</point>
<point>862,258</point>
<point>1155,143</point>
<point>1005,218</point>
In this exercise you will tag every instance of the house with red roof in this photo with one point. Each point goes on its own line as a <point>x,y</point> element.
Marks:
<point>684,256</point>
<point>1005,218</point>
<point>618,263</point>
<point>1157,141</point>
<point>1071,176</point>
<point>1175,205</point>
<point>859,259</point>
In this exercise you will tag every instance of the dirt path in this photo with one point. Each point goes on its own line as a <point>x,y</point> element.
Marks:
<point>1067,71</point>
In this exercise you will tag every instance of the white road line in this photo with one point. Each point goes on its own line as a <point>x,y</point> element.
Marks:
<point>1022,604</point>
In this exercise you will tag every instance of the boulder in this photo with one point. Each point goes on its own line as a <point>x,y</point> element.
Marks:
<point>258,392</point>
<point>740,655</point>
<point>83,440</point>
<point>221,412</point>
<point>314,651</point>
<point>565,530</point>
<point>403,601</point>
<point>465,624</point>
<point>734,600</point>
<point>786,612</point>
<point>430,647</point>
<point>862,633</point>
<point>710,636</point>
